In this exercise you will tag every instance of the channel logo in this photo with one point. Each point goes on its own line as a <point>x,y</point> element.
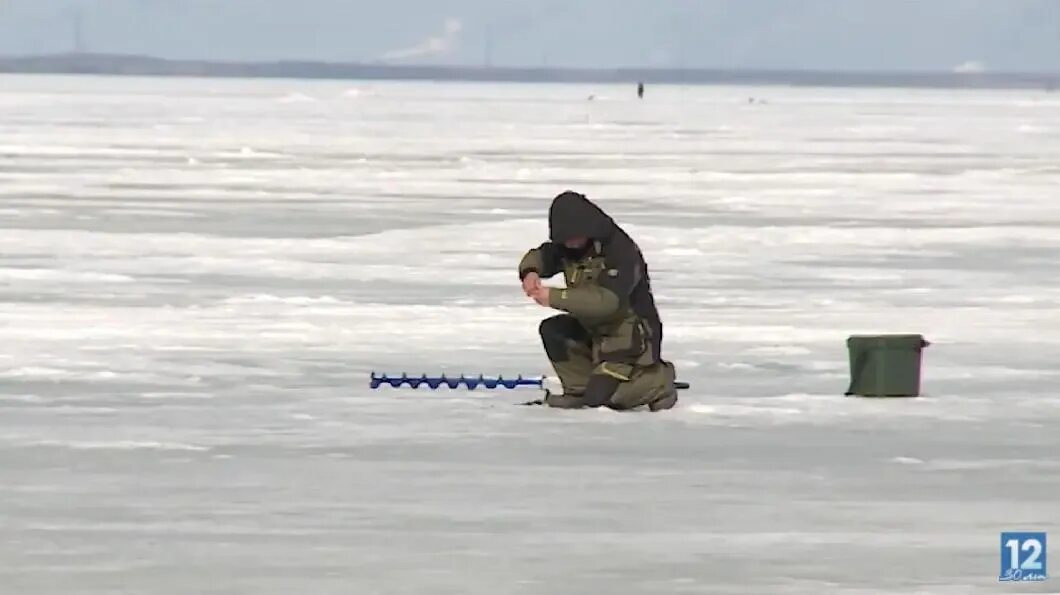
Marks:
<point>1023,557</point>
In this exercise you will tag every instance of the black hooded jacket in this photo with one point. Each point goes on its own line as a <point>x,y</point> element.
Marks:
<point>572,215</point>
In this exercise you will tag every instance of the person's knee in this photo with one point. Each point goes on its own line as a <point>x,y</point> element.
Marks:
<point>563,325</point>
<point>556,334</point>
<point>552,326</point>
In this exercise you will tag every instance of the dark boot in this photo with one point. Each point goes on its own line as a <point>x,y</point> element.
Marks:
<point>652,387</point>
<point>564,401</point>
<point>668,398</point>
<point>663,403</point>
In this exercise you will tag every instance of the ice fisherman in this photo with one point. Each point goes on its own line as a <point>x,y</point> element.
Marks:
<point>606,345</point>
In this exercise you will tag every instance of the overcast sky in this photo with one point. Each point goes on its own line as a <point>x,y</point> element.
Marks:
<point>1021,35</point>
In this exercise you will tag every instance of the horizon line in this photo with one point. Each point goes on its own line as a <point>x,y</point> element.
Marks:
<point>149,65</point>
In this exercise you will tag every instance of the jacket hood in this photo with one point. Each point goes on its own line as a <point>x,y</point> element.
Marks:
<point>572,215</point>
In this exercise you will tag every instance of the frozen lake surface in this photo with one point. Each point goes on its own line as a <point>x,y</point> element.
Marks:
<point>197,276</point>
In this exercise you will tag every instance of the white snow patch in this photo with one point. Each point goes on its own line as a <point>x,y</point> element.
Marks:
<point>297,98</point>
<point>907,461</point>
<point>115,445</point>
<point>62,275</point>
<point>265,298</point>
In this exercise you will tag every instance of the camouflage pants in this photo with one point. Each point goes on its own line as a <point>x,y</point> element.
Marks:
<point>591,383</point>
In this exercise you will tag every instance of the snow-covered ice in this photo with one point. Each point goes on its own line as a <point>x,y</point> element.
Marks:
<point>197,276</point>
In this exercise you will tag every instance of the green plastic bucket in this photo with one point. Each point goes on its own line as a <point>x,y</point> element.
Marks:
<point>885,365</point>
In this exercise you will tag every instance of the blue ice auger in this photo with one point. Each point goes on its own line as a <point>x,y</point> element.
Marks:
<point>472,382</point>
<point>434,382</point>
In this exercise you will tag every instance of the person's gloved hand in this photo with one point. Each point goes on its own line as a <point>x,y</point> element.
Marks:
<point>531,283</point>
<point>541,296</point>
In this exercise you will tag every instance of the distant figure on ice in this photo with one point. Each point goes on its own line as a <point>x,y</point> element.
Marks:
<point>606,346</point>
<point>640,90</point>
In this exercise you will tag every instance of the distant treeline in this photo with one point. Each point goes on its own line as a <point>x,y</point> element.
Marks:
<point>148,66</point>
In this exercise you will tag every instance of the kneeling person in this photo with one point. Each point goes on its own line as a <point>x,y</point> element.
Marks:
<point>606,347</point>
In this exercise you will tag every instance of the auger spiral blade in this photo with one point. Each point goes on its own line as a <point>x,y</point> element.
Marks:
<point>436,382</point>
